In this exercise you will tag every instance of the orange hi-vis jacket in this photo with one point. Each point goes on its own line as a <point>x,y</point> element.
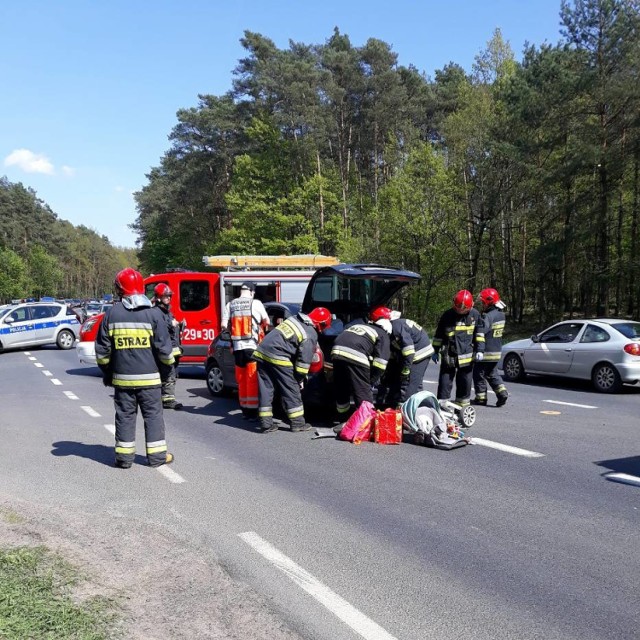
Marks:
<point>247,321</point>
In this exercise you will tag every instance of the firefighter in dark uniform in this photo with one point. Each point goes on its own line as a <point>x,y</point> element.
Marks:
<point>411,351</point>
<point>132,347</point>
<point>458,342</point>
<point>284,358</point>
<point>360,355</point>
<point>162,300</point>
<point>486,371</point>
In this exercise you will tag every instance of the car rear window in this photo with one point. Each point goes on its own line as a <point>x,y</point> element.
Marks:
<point>629,330</point>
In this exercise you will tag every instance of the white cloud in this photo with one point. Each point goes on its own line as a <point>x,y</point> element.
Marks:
<point>68,171</point>
<point>29,161</point>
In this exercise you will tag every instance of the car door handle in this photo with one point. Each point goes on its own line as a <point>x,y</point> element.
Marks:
<point>205,321</point>
<point>568,350</point>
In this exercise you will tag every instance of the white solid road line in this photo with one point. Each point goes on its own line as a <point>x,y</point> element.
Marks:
<point>505,447</point>
<point>571,404</point>
<point>625,478</point>
<point>70,395</point>
<point>56,381</point>
<point>92,412</point>
<point>355,619</point>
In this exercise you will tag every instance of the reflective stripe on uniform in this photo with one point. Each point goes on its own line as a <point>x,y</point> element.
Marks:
<point>276,361</point>
<point>463,328</point>
<point>137,380</point>
<point>158,446</point>
<point>125,447</point>
<point>350,354</point>
<point>302,370</point>
<point>379,363</point>
<point>492,356</point>
<point>343,408</point>
<point>423,353</point>
<point>265,412</point>
<point>407,351</point>
<point>465,358</point>
<point>295,412</point>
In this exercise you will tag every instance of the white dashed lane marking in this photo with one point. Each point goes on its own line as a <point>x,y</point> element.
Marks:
<point>47,372</point>
<point>56,381</point>
<point>92,412</point>
<point>32,358</point>
<point>70,395</point>
<point>361,624</point>
<point>625,478</point>
<point>38,364</point>
<point>507,448</point>
<point>571,404</point>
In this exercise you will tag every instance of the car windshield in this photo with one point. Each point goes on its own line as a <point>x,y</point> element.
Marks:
<point>629,330</point>
<point>95,308</point>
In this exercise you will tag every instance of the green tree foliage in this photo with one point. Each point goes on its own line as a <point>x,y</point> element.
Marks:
<point>42,255</point>
<point>523,175</point>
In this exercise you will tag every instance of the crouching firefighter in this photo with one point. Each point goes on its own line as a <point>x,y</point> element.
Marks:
<point>458,341</point>
<point>486,371</point>
<point>162,300</point>
<point>360,355</point>
<point>284,358</point>
<point>247,321</point>
<point>132,347</point>
<point>411,351</point>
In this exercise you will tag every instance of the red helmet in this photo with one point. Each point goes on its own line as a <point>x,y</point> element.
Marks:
<point>380,313</point>
<point>489,297</point>
<point>321,318</point>
<point>161,290</point>
<point>463,301</point>
<point>129,282</point>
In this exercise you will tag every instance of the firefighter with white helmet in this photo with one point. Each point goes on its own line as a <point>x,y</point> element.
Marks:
<point>132,347</point>
<point>284,358</point>
<point>458,343</point>
<point>247,321</point>
<point>411,350</point>
<point>486,371</point>
<point>162,295</point>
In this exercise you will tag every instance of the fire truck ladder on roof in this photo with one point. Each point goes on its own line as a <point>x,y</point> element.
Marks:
<point>305,261</point>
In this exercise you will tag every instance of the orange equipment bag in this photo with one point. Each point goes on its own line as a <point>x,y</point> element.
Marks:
<point>388,427</point>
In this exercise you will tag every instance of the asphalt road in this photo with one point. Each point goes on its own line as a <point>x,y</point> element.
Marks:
<point>369,541</point>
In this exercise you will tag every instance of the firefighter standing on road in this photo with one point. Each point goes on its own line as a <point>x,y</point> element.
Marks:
<point>162,300</point>
<point>360,355</point>
<point>247,321</point>
<point>132,347</point>
<point>411,350</point>
<point>458,342</point>
<point>284,358</point>
<point>487,370</point>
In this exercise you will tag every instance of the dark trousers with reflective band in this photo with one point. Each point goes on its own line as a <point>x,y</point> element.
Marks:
<point>350,379</point>
<point>272,378</point>
<point>247,379</point>
<point>169,385</point>
<point>149,400</point>
<point>484,372</point>
<point>462,376</point>
<point>413,382</point>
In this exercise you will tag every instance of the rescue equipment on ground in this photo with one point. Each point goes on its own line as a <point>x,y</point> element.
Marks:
<point>435,424</point>
<point>388,427</point>
<point>358,427</point>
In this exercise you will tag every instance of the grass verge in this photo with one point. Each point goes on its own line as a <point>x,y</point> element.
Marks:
<point>36,603</point>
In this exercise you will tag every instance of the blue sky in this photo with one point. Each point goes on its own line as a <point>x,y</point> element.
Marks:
<point>91,88</point>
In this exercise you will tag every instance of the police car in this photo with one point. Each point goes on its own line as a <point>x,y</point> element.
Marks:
<point>37,323</point>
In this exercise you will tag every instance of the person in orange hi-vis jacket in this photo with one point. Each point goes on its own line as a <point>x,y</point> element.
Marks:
<point>247,321</point>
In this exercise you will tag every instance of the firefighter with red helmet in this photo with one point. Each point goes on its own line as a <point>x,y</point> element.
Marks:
<point>284,358</point>
<point>247,321</point>
<point>411,350</point>
<point>360,355</point>
<point>486,371</point>
<point>457,343</point>
<point>132,348</point>
<point>162,295</point>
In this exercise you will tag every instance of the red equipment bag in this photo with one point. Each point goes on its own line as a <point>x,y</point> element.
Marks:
<point>388,427</point>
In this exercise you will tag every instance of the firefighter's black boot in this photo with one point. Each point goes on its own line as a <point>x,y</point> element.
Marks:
<point>267,425</point>
<point>301,427</point>
<point>502,399</point>
<point>480,402</point>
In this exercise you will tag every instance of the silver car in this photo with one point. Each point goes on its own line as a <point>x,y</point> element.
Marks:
<point>37,323</point>
<point>603,350</point>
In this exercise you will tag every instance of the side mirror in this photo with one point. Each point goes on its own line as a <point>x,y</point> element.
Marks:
<point>9,320</point>
<point>535,338</point>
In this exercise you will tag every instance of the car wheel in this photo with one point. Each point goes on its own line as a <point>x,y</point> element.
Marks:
<point>215,379</point>
<point>65,339</point>
<point>513,368</point>
<point>468,416</point>
<point>605,378</point>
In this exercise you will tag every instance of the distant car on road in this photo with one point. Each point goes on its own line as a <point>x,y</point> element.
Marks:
<point>38,323</point>
<point>603,350</point>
